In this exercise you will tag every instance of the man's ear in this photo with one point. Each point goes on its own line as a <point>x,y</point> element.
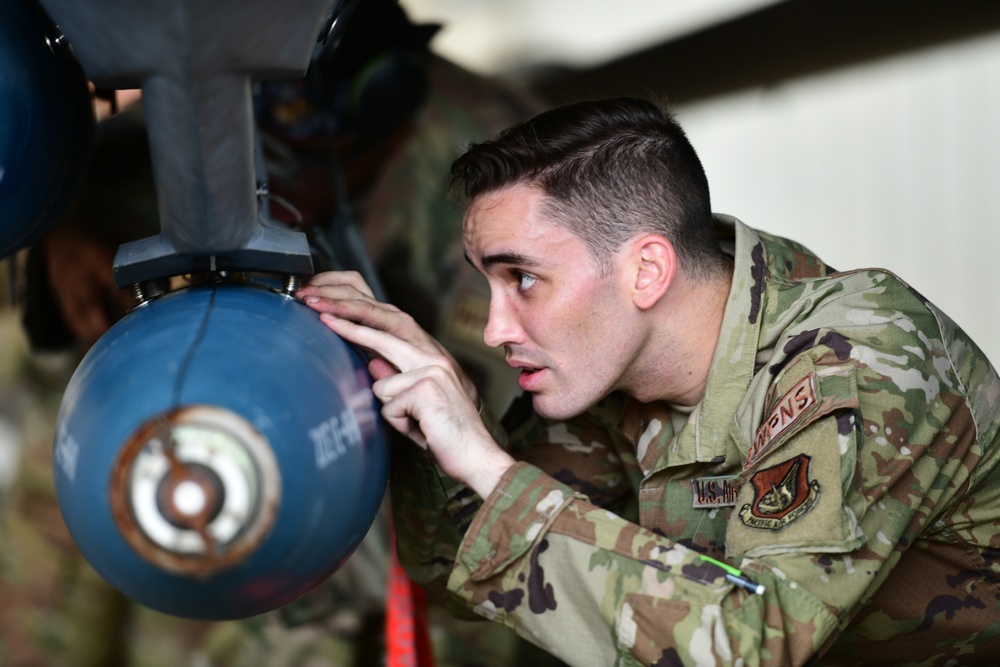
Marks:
<point>655,264</point>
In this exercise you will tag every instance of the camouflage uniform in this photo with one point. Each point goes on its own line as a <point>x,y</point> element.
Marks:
<point>845,457</point>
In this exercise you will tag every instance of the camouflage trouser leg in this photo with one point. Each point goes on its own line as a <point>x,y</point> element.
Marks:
<point>56,610</point>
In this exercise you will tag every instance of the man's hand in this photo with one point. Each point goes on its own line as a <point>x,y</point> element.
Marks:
<point>80,276</point>
<point>424,393</point>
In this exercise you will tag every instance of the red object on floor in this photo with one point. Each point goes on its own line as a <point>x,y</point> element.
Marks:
<point>407,639</point>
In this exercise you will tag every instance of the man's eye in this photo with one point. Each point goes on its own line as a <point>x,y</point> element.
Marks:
<point>525,281</point>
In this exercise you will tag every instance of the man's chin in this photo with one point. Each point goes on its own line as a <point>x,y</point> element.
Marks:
<point>552,410</point>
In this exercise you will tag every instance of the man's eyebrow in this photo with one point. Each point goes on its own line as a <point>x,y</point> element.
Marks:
<point>514,258</point>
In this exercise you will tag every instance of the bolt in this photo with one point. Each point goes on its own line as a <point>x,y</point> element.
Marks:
<point>138,293</point>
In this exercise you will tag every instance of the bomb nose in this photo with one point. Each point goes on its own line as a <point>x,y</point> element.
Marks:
<point>195,490</point>
<point>191,498</point>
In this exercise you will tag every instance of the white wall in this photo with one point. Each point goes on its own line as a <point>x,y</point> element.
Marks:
<point>893,164</point>
<point>495,36</point>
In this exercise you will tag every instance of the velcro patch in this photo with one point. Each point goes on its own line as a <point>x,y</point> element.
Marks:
<point>711,492</point>
<point>790,409</point>
<point>781,494</point>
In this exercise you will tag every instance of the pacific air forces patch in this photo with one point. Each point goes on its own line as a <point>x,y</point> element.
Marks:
<point>781,494</point>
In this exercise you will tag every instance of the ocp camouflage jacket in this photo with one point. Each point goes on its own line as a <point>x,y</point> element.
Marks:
<point>845,458</point>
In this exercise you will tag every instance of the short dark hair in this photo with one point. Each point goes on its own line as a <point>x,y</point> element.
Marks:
<point>610,169</point>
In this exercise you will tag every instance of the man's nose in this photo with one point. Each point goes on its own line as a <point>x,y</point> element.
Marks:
<point>502,327</point>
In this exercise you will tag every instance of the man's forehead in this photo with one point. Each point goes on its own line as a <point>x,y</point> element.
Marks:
<point>522,199</point>
<point>504,218</point>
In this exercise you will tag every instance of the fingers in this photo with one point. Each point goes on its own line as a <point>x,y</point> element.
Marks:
<point>351,280</point>
<point>408,399</point>
<point>392,338</point>
<point>346,296</point>
<point>363,310</point>
<point>430,408</point>
<point>435,381</point>
<point>337,294</point>
<point>398,405</point>
<point>401,353</point>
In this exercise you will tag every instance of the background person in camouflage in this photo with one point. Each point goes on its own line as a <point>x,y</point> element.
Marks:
<point>393,170</point>
<point>700,397</point>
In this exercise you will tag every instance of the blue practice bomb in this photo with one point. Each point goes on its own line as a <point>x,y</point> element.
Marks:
<point>46,125</point>
<point>219,452</point>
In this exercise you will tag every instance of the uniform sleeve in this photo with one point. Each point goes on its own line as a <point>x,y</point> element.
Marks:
<point>432,512</point>
<point>593,588</point>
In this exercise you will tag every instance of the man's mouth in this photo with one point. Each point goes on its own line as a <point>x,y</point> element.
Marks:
<point>522,366</point>
<point>529,377</point>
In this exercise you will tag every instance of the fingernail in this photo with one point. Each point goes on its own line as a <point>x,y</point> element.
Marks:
<point>312,299</point>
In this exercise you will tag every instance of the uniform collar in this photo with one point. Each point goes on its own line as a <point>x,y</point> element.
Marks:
<point>706,438</point>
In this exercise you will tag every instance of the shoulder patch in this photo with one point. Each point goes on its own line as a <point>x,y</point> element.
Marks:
<point>793,406</point>
<point>781,494</point>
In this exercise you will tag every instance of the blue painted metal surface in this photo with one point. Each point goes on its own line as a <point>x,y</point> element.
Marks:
<point>46,125</point>
<point>239,350</point>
